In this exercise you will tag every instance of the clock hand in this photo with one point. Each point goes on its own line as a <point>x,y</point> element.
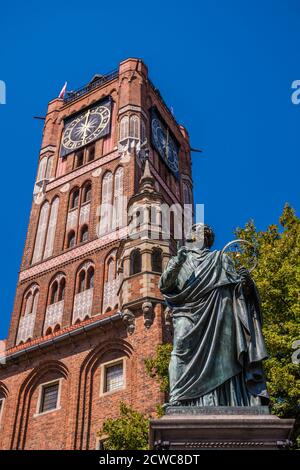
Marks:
<point>85,125</point>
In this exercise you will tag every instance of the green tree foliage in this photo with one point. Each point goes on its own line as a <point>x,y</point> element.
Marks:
<point>157,366</point>
<point>277,277</point>
<point>128,432</point>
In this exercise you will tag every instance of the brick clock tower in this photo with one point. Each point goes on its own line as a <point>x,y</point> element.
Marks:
<point>87,310</point>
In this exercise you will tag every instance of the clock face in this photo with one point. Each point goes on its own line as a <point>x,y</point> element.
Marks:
<point>164,143</point>
<point>86,127</point>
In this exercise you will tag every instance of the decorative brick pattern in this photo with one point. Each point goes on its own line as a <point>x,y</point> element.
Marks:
<point>54,315</point>
<point>83,305</point>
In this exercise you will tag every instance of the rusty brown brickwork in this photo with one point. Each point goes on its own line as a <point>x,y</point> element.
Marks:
<point>75,353</point>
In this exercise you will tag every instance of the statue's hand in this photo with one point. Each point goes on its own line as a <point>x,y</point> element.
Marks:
<point>245,277</point>
<point>181,255</point>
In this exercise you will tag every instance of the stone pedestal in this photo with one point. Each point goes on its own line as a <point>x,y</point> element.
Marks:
<point>187,428</point>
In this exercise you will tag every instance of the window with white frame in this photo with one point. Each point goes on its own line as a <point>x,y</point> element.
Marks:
<point>49,397</point>
<point>113,376</point>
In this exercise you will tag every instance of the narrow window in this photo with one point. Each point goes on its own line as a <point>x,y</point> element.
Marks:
<point>1,406</point>
<point>71,239</point>
<point>28,303</point>
<point>74,199</point>
<point>118,198</point>
<point>62,288</point>
<point>54,293</point>
<point>84,235</point>
<point>136,262</point>
<point>51,228</point>
<point>35,301</point>
<point>106,209</point>
<point>91,153</point>
<point>114,379</point>
<point>41,233</point>
<point>156,259</point>
<point>111,270</point>
<point>124,128</point>
<point>79,159</point>
<point>42,169</point>
<point>49,167</point>
<point>49,398</point>
<point>87,193</point>
<point>134,126</point>
<point>90,278</point>
<point>81,283</point>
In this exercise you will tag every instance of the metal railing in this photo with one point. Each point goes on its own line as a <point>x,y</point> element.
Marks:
<point>158,94</point>
<point>74,95</point>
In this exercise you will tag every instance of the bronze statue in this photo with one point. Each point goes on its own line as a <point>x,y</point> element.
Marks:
<point>218,343</point>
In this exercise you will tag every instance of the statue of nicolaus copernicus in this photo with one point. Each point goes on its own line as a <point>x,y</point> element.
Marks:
<point>218,343</point>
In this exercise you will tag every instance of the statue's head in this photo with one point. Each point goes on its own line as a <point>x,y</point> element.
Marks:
<point>202,234</point>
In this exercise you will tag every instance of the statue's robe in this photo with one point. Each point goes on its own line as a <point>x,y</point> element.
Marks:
<point>218,343</point>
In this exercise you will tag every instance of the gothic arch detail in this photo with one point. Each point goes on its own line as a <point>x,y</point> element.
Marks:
<point>22,412</point>
<point>28,314</point>
<point>84,292</point>
<point>86,383</point>
<point>111,282</point>
<point>55,305</point>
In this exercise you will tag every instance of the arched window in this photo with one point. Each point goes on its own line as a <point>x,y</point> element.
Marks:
<point>35,301</point>
<point>55,308</point>
<point>54,293</point>
<point>49,167</point>
<point>111,268</point>
<point>56,328</point>
<point>81,281</point>
<point>84,234</point>
<point>45,168</point>
<point>71,239</point>
<point>90,278</point>
<point>118,198</point>
<point>41,233</point>
<point>74,199</point>
<point>124,127</point>
<point>134,125</point>
<point>51,228</point>
<point>143,132</point>
<point>111,284</point>
<point>28,303</point>
<point>156,260</point>
<point>27,320</point>
<point>106,200</point>
<point>79,214</point>
<point>135,262</point>
<point>42,169</point>
<point>62,288</point>
<point>83,300</point>
<point>30,300</point>
<point>87,193</point>
<point>187,196</point>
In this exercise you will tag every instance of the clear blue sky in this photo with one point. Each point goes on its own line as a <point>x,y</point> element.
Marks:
<point>226,68</point>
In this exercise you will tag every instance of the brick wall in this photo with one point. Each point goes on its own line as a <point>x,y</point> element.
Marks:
<point>77,361</point>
